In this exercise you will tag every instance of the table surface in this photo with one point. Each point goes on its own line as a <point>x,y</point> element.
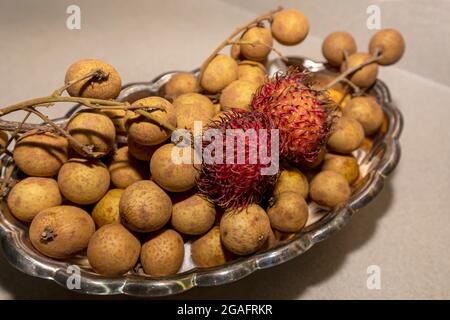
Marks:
<point>404,231</point>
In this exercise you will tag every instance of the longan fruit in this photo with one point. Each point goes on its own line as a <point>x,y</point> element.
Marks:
<point>220,72</point>
<point>139,151</point>
<point>290,27</point>
<point>364,77</point>
<point>345,165</point>
<point>113,250</point>
<point>207,251</point>
<point>289,212</point>
<point>107,209</point>
<point>347,135</point>
<point>238,94</point>
<point>192,107</point>
<point>180,83</point>
<point>367,112</point>
<point>329,189</point>
<point>235,51</point>
<point>244,231</point>
<point>62,231</point>
<point>145,207</point>
<point>32,195</point>
<point>119,118</point>
<point>194,215</point>
<point>41,154</point>
<point>254,72</point>
<point>256,43</point>
<point>147,133</point>
<point>335,45</point>
<point>108,88</point>
<point>83,181</point>
<point>163,254</point>
<point>391,42</point>
<point>92,128</point>
<point>171,176</point>
<point>126,170</point>
<point>293,180</point>
<point>3,140</point>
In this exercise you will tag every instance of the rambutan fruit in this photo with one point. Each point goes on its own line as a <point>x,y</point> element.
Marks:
<point>302,114</point>
<point>240,159</point>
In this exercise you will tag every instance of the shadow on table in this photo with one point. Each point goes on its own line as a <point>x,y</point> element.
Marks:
<point>287,281</point>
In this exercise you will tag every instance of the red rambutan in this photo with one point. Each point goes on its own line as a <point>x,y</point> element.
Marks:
<point>303,115</point>
<point>245,145</point>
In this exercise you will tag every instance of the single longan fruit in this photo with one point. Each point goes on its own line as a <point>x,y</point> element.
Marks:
<point>244,231</point>
<point>391,43</point>
<point>235,51</point>
<point>207,251</point>
<point>292,180</point>
<point>290,27</point>
<point>119,118</point>
<point>107,209</point>
<point>289,213</point>
<point>83,181</point>
<point>139,151</point>
<point>335,45</point>
<point>220,72</point>
<point>3,140</point>
<point>32,195</point>
<point>345,165</point>
<point>92,128</point>
<point>193,216</point>
<point>254,72</point>
<point>364,77</point>
<point>238,94</point>
<point>126,170</point>
<point>145,207</point>
<point>258,42</point>
<point>192,107</point>
<point>329,189</point>
<point>347,135</point>
<point>163,254</point>
<point>105,88</point>
<point>62,231</point>
<point>169,171</point>
<point>367,112</point>
<point>180,83</point>
<point>148,133</point>
<point>113,250</point>
<point>41,154</point>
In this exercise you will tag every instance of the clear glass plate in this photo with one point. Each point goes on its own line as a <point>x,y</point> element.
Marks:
<point>376,162</point>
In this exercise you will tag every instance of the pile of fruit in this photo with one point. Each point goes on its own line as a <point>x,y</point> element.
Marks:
<point>130,204</point>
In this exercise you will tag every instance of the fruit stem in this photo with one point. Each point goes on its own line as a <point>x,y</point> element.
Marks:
<point>47,235</point>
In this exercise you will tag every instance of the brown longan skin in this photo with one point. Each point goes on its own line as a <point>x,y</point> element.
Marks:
<point>169,175</point>
<point>139,151</point>
<point>290,27</point>
<point>163,254</point>
<point>192,107</point>
<point>347,135</point>
<point>292,180</point>
<point>145,207</point>
<point>106,211</point>
<point>344,165</point>
<point>126,170</point>
<point>83,181</point>
<point>32,195</point>
<point>335,45</point>
<point>235,51</point>
<point>207,251</point>
<point>106,89</point>
<point>254,73</point>
<point>113,250</point>
<point>367,112</point>
<point>180,83</point>
<point>71,227</point>
<point>41,154</point>
<point>289,213</point>
<point>238,94</point>
<point>220,72</point>
<point>92,128</point>
<point>194,215</point>
<point>244,231</point>
<point>329,189</point>
<point>119,118</point>
<point>147,133</point>
<point>367,75</point>
<point>391,43</point>
<point>262,40</point>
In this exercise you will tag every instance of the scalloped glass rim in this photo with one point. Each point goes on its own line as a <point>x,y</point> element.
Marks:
<point>383,158</point>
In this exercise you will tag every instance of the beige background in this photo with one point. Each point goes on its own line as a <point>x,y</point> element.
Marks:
<point>405,230</point>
